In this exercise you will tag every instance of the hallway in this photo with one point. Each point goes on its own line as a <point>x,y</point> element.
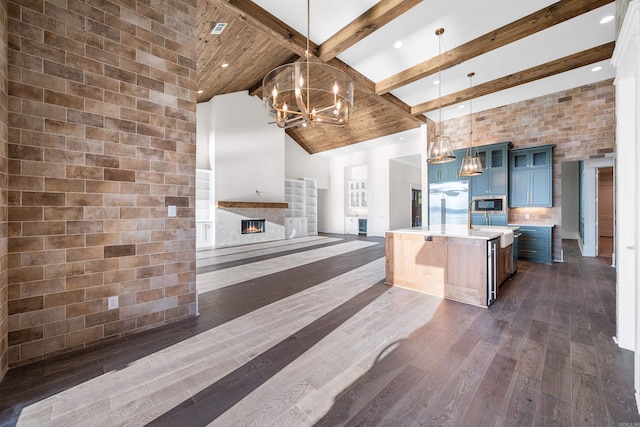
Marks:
<point>309,335</point>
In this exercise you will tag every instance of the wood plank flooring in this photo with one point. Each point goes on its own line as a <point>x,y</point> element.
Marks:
<point>304,333</point>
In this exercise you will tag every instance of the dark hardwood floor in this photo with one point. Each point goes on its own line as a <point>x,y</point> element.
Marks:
<point>311,336</point>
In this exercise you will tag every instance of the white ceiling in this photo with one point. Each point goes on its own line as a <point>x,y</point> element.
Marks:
<point>463,20</point>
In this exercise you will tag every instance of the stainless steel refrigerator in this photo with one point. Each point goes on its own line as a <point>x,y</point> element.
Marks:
<point>448,203</point>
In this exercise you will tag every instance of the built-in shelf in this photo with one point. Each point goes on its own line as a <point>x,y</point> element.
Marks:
<point>259,205</point>
<point>302,196</point>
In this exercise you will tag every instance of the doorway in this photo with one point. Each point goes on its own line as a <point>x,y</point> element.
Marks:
<point>582,205</point>
<point>416,208</point>
<point>605,212</point>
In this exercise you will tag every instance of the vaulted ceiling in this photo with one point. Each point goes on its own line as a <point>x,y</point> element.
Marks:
<point>517,50</point>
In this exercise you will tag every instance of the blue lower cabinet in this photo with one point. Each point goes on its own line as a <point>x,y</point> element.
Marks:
<point>534,243</point>
<point>491,219</point>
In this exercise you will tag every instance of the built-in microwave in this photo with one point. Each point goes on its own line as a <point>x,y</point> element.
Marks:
<point>490,205</point>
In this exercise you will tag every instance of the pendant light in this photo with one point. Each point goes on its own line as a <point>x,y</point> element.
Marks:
<point>440,150</point>
<point>471,165</point>
<point>308,92</point>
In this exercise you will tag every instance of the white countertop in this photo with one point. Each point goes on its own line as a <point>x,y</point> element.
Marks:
<point>450,230</point>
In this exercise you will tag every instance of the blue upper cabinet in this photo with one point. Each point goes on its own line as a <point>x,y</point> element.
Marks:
<point>493,181</point>
<point>530,177</point>
<point>443,172</point>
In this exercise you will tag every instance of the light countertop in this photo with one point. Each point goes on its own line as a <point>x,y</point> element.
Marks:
<point>451,230</point>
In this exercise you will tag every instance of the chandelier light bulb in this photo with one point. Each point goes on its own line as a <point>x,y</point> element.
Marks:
<point>308,92</point>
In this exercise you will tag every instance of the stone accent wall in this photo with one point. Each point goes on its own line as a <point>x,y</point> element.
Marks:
<point>580,122</point>
<point>4,294</point>
<point>101,140</point>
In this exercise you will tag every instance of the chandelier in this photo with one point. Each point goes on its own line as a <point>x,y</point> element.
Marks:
<point>471,165</point>
<point>440,150</point>
<point>308,91</point>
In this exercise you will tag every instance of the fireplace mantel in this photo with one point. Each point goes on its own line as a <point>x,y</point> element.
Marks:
<point>259,205</point>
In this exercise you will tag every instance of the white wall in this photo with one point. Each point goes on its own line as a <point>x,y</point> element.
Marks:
<point>377,163</point>
<point>205,137</point>
<point>402,179</point>
<point>300,164</point>
<point>570,200</point>
<point>249,152</point>
<point>626,59</point>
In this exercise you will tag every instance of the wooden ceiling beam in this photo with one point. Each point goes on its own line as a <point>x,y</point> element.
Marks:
<point>258,18</point>
<point>373,19</point>
<point>531,24</point>
<point>580,59</point>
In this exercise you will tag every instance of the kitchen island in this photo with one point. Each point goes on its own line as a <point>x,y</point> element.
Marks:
<point>452,262</point>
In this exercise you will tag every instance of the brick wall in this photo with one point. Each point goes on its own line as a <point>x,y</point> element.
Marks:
<point>101,140</point>
<point>4,295</point>
<point>581,122</point>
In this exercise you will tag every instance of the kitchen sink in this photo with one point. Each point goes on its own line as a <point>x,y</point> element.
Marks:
<point>506,234</point>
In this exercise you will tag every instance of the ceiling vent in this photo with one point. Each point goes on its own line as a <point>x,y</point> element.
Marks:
<point>218,28</point>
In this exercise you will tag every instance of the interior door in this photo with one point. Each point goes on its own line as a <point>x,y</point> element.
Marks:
<point>605,202</point>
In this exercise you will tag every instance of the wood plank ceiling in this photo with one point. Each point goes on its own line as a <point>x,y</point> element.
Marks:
<point>254,42</point>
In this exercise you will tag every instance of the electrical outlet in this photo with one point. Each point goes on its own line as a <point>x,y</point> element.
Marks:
<point>526,216</point>
<point>172,211</point>
<point>113,303</point>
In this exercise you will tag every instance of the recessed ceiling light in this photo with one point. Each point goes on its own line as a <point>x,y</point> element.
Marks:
<point>398,44</point>
<point>225,65</point>
<point>200,91</point>
<point>437,82</point>
<point>401,138</point>
<point>606,19</point>
<point>218,28</point>
<point>461,106</point>
<point>598,68</point>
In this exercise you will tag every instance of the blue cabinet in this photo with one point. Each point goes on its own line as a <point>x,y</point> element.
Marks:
<point>493,181</point>
<point>534,243</point>
<point>443,172</point>
<point>489,219</point>
<point>530,177</point>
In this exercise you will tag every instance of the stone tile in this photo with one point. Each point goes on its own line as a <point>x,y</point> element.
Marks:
<point>84,308</point>
<point>85,335</point>
<point>85,254</point>
<point>101,265</point>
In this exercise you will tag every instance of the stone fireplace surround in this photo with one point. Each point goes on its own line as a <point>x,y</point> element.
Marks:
<point>229,216</point>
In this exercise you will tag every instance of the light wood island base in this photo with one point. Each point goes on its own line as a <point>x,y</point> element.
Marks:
<point>450,267</point>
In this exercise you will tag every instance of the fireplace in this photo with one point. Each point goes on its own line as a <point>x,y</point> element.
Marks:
<point>252,226</point>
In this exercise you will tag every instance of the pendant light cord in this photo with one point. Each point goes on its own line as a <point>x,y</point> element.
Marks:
<point>307,53</point>
<point>471,112</point>
<point>439,32</point>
